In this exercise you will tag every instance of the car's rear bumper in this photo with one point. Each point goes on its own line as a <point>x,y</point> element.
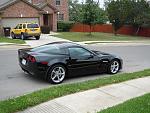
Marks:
<point>34,69</point>
<point>31,34</point>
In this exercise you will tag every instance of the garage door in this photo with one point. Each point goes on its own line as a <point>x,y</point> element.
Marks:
<point>12,22</point>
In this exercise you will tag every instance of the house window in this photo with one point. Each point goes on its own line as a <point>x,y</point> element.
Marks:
<point>57,2</point>
<point>60,17</point>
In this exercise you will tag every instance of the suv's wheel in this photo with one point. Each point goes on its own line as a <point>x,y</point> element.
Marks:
<point>56,74</point>
<point>37,37</point>
<point>22,36</point>
<point>13,35</point>
<point>114,67</point>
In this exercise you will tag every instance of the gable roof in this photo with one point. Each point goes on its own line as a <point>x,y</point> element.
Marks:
<point>12,2</point>
<point>41,6</point>
<point>3,1</point>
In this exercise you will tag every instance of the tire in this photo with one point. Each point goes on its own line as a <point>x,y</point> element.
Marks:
<point>13,35</point>
<point>114,67</point>
<point>22,36</point>
<point>56,74</point>
<point>37,37</point>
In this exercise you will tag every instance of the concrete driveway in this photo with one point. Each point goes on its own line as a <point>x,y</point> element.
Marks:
<point>45,38</point>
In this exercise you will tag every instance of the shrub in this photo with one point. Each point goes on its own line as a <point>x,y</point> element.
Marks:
<point>64,26</point>
<point>45,29</point>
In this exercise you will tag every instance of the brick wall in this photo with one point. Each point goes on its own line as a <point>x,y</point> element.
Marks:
<point>63,8</point>
<point>20,8</point>
<point>107,28</point>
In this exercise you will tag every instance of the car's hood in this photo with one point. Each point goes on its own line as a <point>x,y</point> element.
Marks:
<point>101,53</point>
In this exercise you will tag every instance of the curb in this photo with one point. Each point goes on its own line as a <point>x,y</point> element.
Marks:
<point>109,42</point>
<point>11,44</point>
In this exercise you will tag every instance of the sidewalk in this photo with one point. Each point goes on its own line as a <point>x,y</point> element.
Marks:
<point>95,100</point>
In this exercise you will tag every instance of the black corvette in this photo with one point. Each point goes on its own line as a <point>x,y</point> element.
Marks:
<point>55,61</point>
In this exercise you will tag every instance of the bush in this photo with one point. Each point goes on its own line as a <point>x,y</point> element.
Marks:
<point>64,26</point>
<point>45,29</point>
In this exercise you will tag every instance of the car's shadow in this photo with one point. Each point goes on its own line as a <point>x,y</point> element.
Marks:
<point>68,80</point>
<point>29,38</point>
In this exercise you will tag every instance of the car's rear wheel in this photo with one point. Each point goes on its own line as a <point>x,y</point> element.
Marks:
<point>114,67</point>
<point>56,74</point>
<point>37,37</point>
<point>13,35</point>
<point>22,36</point>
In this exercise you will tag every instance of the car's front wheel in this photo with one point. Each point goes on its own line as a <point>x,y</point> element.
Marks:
<point>114,67</point>
<point>56,74</point>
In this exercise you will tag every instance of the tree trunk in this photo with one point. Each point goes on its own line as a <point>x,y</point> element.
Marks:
<point>90,29</point>
<point>114,31</point>
<point>136,33</point>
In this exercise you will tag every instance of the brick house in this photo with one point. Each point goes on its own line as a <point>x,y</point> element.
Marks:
<point>44,12</point>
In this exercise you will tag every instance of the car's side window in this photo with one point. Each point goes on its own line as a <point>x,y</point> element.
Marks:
<point>20,26</point>
<point>17,27</point>
<point>78,52</point>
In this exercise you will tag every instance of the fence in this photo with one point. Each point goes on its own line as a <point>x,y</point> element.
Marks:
<point>107,28</point>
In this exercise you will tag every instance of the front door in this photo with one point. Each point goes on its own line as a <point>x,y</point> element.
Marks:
<point>46,19</point>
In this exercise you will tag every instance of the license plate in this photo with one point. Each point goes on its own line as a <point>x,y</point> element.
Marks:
<point>24,61</point>
<point>32,29</point>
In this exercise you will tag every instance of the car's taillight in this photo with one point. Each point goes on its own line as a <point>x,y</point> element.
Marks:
<point>44,63</point>
<point>31,59</point>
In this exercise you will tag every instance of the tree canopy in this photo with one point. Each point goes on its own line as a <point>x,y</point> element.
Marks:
<point>133,12</point>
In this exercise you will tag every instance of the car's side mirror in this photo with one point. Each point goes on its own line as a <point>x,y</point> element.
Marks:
<point>91,56</point>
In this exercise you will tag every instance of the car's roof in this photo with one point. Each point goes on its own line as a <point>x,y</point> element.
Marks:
<point>64,44</point>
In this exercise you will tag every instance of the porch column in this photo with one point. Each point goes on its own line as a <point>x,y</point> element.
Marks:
<point>54,22</point>
<point>1,26</point>
<point>41,20</point>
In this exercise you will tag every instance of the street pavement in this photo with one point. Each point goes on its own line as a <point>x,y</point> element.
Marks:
<point>95,100</point>
<point>14,82</point>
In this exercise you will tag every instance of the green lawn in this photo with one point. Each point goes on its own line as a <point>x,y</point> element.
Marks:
<point>79,37</point>
<point>136,105</point>
<point>23,102</point>
<point>8,40</point>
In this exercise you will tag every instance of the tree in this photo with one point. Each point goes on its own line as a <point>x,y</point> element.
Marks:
<point>132,12</point>
<point>102,16</point>
<point>75,10</point>
<point>118,13</point>
<point>90,16</point>
<point>141,14</point>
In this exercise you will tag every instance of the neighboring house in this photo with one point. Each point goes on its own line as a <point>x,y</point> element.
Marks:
<point>44,12</point>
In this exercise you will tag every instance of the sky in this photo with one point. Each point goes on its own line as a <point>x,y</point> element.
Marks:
<point>101,2</point>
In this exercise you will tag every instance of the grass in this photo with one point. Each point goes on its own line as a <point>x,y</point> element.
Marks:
<point>8,40</point>
<point>79,37</point>
<point>136,105</point>
<point>23,102</point>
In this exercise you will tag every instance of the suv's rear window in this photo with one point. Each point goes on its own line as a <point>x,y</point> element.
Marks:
<point>32,26</point>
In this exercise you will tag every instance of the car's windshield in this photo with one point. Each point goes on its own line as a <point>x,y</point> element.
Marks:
<point>32,26</point>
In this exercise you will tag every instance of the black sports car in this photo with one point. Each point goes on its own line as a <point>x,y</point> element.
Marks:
<point>55,61</point>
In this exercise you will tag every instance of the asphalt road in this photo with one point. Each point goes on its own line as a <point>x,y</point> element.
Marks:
<point>13,82</point>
